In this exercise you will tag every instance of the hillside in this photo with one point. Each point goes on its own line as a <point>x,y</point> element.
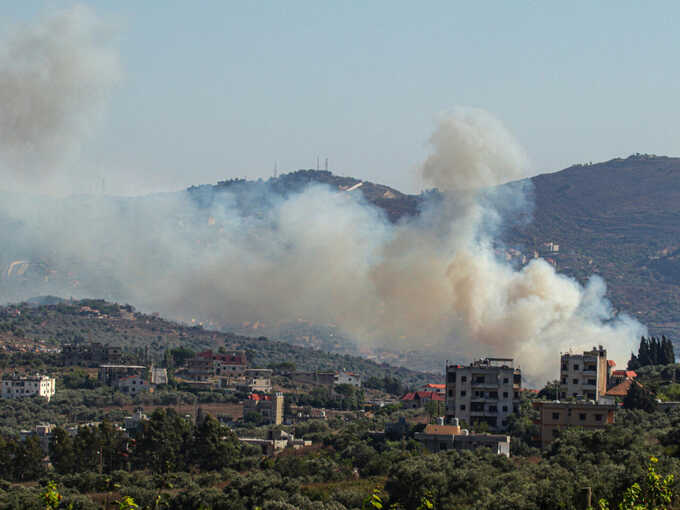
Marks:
<point>31,327</point>
<point>619,219</point>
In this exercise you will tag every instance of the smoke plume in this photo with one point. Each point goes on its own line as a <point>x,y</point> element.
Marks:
<point>55,75</point>
<point>433,282</point>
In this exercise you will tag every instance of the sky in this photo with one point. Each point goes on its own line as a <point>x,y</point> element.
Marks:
<point>214,90</point>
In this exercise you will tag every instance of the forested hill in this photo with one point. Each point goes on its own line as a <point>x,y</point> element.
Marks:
<point>619,219</point>
<point>31,326</point>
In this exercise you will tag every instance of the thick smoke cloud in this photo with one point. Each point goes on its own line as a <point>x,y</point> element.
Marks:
<point>432,282</point>
<point>55,75</point>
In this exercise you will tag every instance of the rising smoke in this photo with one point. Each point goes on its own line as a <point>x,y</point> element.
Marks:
<point>430,282</point>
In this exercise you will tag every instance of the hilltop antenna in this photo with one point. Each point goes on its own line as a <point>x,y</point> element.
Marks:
<point>326,164</point>
<point>317,162</point>
<point>276,169</point>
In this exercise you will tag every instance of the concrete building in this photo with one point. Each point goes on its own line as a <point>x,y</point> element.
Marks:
<point>277,440</point>
<point>28,386</point>
<point>438,438</point>
<point>556,416</point>
<point>486,391</point>
<point>584,375</point>
<point>209,364</point>
<point>110,374</point>
<point>269,406</point>
<point>159,376</point>
<point>132,384</point>
<point>418,399</point>
<point>348,378</point>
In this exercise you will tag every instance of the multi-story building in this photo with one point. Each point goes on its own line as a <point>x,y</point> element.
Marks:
<point>269,406</point>
<point>28,386</point>
<point>486,391</point>
<point>555,416</point>
<point>348,378</point>
<point>209,364</point>
<point>584,375</point>
<point>132,384</point>
<point>111,374</point>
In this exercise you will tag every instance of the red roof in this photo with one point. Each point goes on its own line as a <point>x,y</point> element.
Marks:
<point>423,395</point>
<point>620,390</point>
<point>257,396</point>
<point>611,363</point>
<point>628,374</point>
<point>436,386</point>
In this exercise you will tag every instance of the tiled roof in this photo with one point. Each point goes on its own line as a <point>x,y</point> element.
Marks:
<point>442,430</point>
<point>436,386</point>
<point>630,374</point>
<point>423,395</point>
<point>620,390</point>
<point>611,362</point>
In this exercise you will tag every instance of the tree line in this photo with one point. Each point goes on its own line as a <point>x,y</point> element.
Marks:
<point>653,351</point>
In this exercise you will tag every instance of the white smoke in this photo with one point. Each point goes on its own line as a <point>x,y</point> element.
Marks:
<point>55,75</point>
<point>430,282</point>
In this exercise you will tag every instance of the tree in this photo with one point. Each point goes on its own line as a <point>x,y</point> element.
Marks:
<point>62,452</point>
<point>654,494</point>
<point>639,397</point>
<point>214,446</point>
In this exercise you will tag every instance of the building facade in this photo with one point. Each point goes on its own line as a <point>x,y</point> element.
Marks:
<point>556,416</point>
<point>269,406</point>
<point>486,391</point>
<point>438,438</point>
<point>132,384</point>
<point>28,386</point>
<point>348,378</point>
<point>584,376</point>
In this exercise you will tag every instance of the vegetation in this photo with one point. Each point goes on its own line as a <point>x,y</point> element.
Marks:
<point>653,351</point>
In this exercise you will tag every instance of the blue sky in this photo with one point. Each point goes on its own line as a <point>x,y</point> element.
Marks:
<point>214,90</point>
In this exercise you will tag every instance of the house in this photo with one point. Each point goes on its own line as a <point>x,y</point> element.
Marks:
<point>418,399</point>
<point>439,388</point>
<point>347,378</point>
<point>487,390</point>
<point>28,386</point>
<point>584,375</point>
<point>208,364</point>
<point>132,384</point>
<point>259,379</point>
<point>437,438</point>
<point>555,416</point>
<point>276,441</point>
<point>110,374</point>
<point>269,406</point>
<point>618,376</point>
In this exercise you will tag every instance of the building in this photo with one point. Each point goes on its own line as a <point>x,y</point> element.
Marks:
<point>132,384</point>
<point>43,432</point>
<point>584,375</point>
<point>438,438</point>
<point>276,441</point>
<point>556,416</point>
<point>28,386</point>
<point>209,364</point>
<point>159,376</point>
<point>110,374</point>
<point>269,406</point>
<point>90,354</point>
<point>347,378</point>
<point>259,379</point>
<point>618,376</point>
<point>439,388</point>
<point>486,391</point>
<point>418,399</point>
<point>315,378</point>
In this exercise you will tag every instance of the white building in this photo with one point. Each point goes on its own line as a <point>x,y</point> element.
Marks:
<point>133,384</point>
<point>28,386</point>
<point>348,378</point>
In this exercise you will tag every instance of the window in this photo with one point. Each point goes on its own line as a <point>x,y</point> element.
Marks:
<point>505,394</point>
<point>463,378</point>
<point>452,377</point>
<point>506,380</point>
<point>582,417</point>
<point>463,393</point>
<point>462,407</point>
<point>505,409</point>
<point>479,379</point>
<point>555,416</point>
<point>564,380</point>
<point>493,395</point>
<point>493,409</point>
<point>575,381</point>
<point>450,393</point>
<point>575,366</point>
<point>598,417</point>
<point>565,368</point>
<point>592,382</point>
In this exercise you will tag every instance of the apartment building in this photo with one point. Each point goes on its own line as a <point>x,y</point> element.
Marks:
<point>486,391</point>
<point>584,376</point>
<point>269,406</point>
<point>556,416</point>
<point>28,386</point>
